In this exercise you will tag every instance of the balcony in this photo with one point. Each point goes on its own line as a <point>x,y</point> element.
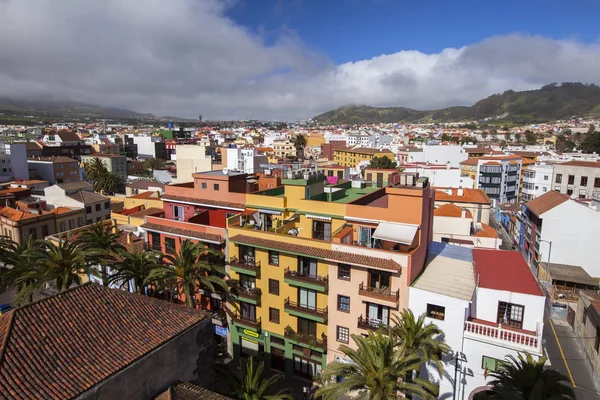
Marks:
<point>511,337</point>
<point>309,340</point>
<point>314,282</point>
<point>248,266</point>
<point>370,323</point>
<point>252,324</point>
<point>248,295</point>
<point>219,318</point>
<point>308,312</point>
<point>384,294</point>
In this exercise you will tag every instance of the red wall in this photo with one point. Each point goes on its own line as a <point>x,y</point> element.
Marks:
<point>209,216</point>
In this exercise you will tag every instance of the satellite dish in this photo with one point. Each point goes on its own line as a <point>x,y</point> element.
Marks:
<point>225,171</point>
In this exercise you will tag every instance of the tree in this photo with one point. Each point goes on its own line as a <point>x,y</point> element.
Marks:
<point>193,268</point>
<point>299,141</point>
<point>591,129</point>
<point>377,371</point>
<point>591,143</point>
<point>250,384</point>
<point>563,144</point>
<point>508,136</point>
<point>65,263</point>
<point>136,266</point>
<point>530,137</point>
<point>154,163</point>
<point>100,244</point>
<point>525,378</point>
<point>484,135</point>
<point>383,162</point>
<point>110,183</point>
<point>21,267</point>
<point>95,170</point>
<point>503,144</point>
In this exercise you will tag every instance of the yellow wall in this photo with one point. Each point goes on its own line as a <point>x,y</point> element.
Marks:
<point>148,203</point>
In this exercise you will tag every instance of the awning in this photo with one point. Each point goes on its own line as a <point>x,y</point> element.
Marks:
<point>292,218</point>
<point>394,232</point>
<point>248,212</point>
<point>318,217</point>
<point>272,212</point>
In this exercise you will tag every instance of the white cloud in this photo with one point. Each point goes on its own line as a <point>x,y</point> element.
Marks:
<point>185,57</point>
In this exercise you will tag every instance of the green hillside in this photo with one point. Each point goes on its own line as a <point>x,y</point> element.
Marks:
<point>551,102</point>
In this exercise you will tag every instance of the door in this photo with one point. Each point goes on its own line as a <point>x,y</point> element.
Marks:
<point>364,236</point>
<point>308,266</point>
<point>308,298</point>
<point>277,359</point>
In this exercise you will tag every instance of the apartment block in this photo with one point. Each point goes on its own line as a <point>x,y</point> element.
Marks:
<point>577,179</point>
<point>351,157</point>
<point>499,177</point>
<point>55,169</point>
<point>537,180</point>
<point>318,262</point>
<point>13,162</point>
<point>284,148</point>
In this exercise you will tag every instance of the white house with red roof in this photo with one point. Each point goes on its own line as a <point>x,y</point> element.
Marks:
<point>489,306</point>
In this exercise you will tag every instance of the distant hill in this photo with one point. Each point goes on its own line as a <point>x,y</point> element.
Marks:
<point>551,102</point>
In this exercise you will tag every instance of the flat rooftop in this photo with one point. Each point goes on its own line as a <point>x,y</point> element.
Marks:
<point>352,194</point>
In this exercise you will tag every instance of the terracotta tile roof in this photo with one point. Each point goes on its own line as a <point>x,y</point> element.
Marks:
<point>145,184</point>
<point>450,210</point>
<point>492,163</point>
<point>68,136</point>
<point>196,200</point>
<point>325,254</point>
<point>546,202</point>
<point>148,211</point>
<point>486,231</point>
<point>202,236</point>
<point>146,195</point>
<point>364,150</point>
<point>469,196</point>
<point>469,161</point>
<point>59,159</point>
<point>16,215</point>
<point>33,146</point>
<point>85,197</point>
<point>501,157</point>
<point>189,391</point>
<point>103,155</point>
<point>504,270</point>
<point>575,163</point>
<point>478,150</point>
<point>44,356</point>
<point>75,185</point>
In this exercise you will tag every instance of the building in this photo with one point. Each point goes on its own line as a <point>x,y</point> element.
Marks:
<point>62,138</point>
<point>321,261</point>
<point>450,155</point>
<point>13,162</point>
<point>489,306</point>
<point>243,159</point>
<point>525,164</point>
<point>468,168</point>
<point>351,157</point>
<point>79,195</point>
<point>151,147</point>
<point>113,163</point>
<point>328,149</point>
<point>587,327</point>
<point>33,149</point>
<point>557,229</point>
<point>35,186</point>
<point>578,179</point>
<point>284,148</point>
<point>454,225</point>
<point>55,169</point>
<point>96,314</point>
<point>475,201</point>
<point>499,177</point>
<point>537,180</point>
<point>142,186</point>
<point>440,175</point>
<point>191,159</point>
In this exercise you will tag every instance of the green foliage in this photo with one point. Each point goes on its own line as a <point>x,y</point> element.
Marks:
<point>136,266</point>
<point>154,164</point>
<point>65,263</point>
<point>100,244</point>
<point>250,384</point>
<point>21,267</point>
<point>102,179</point>
<point>530,137</point>
<point>383,162</point>
<point>591,143</point>
<point>299,141</point>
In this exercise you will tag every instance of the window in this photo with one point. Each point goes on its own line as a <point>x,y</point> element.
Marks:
<point>322,230</point>
<point>307,298</point>
<point>597,182</point>
<point>274,287</point>
<point>273,257</point>
<point>307,327</point>
<point>88,209</point>
<point>545,177</point>
<point>582,193</point>
<point>71,224</point>
<point>203,185</point>
<point>62,227</point>
<point>156,241</point>
<point>216,186</point>
<point>569,192</point>
<point>178,213</point>
<point>170,245</point>
<point>343,303</point>
<point>571,180</point>
<point>584,181</point>
<point>490,364</point>
<point>98,207</point>
<point>344,272</point>
<point>107,205</point>
<point>436,312</point>
<point>247,255</point>
<point>273,315</point>
<point>307,266</point>
<point>342,334</point>
<point>44,230</point>
<point>558,178</point>
<point>510,314</point>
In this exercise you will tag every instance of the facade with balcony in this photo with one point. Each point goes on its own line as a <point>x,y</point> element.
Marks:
<point>499,177</point>
<point>537,180</point>
<point>323,254</point>
<point>485,315</point>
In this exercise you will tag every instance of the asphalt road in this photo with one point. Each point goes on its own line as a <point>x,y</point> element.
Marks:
<point>574,363</point>
<point>507,241</point>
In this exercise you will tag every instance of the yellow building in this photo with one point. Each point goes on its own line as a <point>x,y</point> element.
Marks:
<point>348,157</point>
<point>132,210</point>
<point>468,168</point>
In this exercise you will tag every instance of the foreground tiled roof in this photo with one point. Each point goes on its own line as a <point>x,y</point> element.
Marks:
<point>196,200</point>
<point>546,202</point>
<point>504,270</point>
<point>62,346</point>
<point>325,254</point>
<point>183,232</point>
<point>189,391</point>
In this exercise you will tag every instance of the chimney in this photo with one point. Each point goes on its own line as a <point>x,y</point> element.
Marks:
<point>129,237</point>
<point>459,192</point>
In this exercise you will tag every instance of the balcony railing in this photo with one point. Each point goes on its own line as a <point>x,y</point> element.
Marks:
<point>294,306</point>
<point>370,323</point>
<point>297,276</point>
<point>506,335</point>
<point>252,294</point>
<point>245,266</point>
<point>219,318</point>
<point>309,340</point>
<point>385,294</point>
<point>244,321</point>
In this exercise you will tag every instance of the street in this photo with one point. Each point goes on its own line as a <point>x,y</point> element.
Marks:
<point>507,241</point>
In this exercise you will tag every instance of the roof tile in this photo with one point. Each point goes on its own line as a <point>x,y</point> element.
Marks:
<point>546,202</point>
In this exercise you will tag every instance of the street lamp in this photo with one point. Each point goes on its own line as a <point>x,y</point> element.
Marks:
<point>549,253</point>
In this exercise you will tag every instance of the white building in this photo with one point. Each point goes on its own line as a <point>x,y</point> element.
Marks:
<point>79,195</point>
<point>455,225</point>
<point>578,179</point>
<point>537,180</point>
<point>13,162</point>
<point>446,155</point>
<point>244,159</point>
<point>150,147</point>
<point>489,306</point>
<point>440,175</point>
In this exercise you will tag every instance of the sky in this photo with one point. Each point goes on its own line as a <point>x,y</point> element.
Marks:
<point>291,59</point>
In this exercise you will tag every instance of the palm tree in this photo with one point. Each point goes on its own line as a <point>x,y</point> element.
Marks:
<point>377,371</point>
<point>527,379</point>
<point>100,244</point>
<point>95,169</point>
<point>65,263</point>
<point>250,385</point>
<point>22,267</point>
<point>110,183</point>
<point>193,268</point>
<point>299,143</point>
<point>137,267</point>
<point>154,163</point>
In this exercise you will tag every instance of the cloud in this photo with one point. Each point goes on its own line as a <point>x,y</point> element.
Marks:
<point>186,57</point>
